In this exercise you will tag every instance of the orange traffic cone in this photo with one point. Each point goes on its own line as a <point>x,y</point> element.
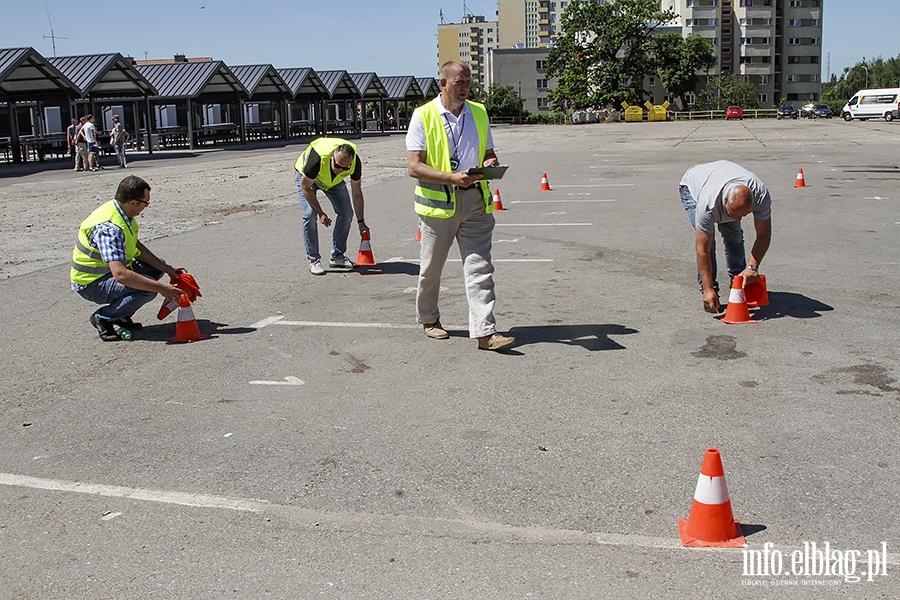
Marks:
<point>498,205</point>
<point>737,312</point>
<point>418,234</point>
<point>756,292</point>
<point>365,257</point>
<point>545,183</point>
<point>801,182</point>
<point>187,284</point>
<point>711,523</point>
<point>186,330</point>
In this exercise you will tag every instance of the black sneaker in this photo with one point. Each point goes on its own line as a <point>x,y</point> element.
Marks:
<point>128,324</point>
<point>104,328</point>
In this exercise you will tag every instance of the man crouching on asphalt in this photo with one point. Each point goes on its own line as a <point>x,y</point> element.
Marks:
<point>110,266</point>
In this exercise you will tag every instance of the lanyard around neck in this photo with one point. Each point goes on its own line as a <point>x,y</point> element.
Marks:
<point>461,123</point>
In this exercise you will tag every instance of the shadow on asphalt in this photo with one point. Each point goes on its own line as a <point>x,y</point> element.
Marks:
<point>789,304</point>
<point>590,337</point>
<point>161,332</point>
<point>747,529</point>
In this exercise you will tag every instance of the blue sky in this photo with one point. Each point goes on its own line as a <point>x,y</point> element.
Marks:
<point>393,37</point>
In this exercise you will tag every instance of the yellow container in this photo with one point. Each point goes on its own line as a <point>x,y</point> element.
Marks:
<point>657,112</point>
<point>633,113</point>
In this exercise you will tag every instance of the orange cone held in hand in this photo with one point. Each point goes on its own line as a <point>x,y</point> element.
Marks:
<point>737,311</point>
<point>711,523</point>
<point>498,205</point>
<point>545,183</point>
<point>365,257</point>
<point>186,330</point>
<point>186,283</point>
<point>756,292</point>
<point>801,182</point>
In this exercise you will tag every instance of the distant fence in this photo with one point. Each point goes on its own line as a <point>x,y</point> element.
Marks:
<point>749,113</point>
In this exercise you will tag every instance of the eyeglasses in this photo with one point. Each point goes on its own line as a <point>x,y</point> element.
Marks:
<point>339,167</point>
<point>144,202</point>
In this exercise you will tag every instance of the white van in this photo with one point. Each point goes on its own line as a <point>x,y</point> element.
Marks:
<point>873,104</point>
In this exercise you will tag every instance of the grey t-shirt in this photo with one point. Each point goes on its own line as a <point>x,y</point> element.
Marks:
<point>710,182</point>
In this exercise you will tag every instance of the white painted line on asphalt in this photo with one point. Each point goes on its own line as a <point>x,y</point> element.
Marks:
<point>543,225</point>
<point>495,260</point>
<point>265,322</point>
<point>115,491</point>
<point>289,380</point>
<point>336,324</point>
<point>508,241</point>
<point>875,198</point>
<point>594,185</point>
<point>561,201</point>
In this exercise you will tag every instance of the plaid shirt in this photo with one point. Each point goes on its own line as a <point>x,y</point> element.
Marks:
<point>109,240</point>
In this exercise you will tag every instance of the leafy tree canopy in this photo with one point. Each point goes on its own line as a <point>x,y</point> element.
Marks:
<point>604,52</point>
<point>678,59</point>
<point>882,74</point>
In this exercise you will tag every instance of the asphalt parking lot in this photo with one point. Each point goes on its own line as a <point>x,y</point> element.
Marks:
<point>319,445</point>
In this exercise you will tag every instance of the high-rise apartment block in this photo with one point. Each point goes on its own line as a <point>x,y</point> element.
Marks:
<point>775,44</point>
<point>468,42</point>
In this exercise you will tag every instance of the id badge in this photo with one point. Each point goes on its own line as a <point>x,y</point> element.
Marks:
<point>454,164</point>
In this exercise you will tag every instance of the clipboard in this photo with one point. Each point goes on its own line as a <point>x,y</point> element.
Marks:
<point>489,172</point>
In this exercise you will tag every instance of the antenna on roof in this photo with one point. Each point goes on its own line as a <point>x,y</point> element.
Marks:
<point>466,11</point>
<point>443,20</point>
<point>52,37</point>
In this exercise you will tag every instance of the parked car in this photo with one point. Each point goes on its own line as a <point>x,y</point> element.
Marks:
<point>787,111</point>
<point>734,112</point>
<point>816,111</point>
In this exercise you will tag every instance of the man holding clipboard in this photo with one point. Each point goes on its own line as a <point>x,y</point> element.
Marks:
<point>448,140</point>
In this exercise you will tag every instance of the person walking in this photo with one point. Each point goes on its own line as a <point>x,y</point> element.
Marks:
<point>117,137</point>
<point>447,137</point>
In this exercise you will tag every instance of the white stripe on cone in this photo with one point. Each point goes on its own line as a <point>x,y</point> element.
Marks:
<point>711,490</point>
<point>365,246</point>
<point>186,314</point>
<point>737,296</point>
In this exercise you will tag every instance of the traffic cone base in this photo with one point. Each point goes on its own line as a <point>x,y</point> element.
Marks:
<point>498,205</point>
<point>365,258</point>
<point>711,523</point>
<point>737,312</point>
<point>801,181</point>
<point>756,293</point>
<point>186,329</point>
<point>545,183</point>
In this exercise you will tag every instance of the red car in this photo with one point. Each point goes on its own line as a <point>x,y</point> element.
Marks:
<point>734,112</point>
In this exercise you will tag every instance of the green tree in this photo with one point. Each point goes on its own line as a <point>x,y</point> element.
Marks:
<point>677,61</point>
<point>729,90</point>
<point>503,101</point>
<point>603,53</point>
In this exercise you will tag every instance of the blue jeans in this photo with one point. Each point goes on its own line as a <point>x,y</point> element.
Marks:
<point>732,236</point>
<point>121,301</point>
<point>343,210</point>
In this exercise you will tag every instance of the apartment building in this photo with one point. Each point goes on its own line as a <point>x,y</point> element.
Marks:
<point>523,69</point>
<point>529,23</point>
<point>774,44</point>
<point>468,42</point>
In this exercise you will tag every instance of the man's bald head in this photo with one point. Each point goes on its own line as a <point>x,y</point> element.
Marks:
<point>738,202</point>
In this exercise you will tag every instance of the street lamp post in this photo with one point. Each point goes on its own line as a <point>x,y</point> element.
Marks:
<point>867,75</point>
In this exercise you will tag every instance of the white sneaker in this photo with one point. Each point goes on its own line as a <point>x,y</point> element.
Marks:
<point>341,262</point>
<point>315,267</point>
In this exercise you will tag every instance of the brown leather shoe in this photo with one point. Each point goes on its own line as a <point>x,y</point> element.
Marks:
<point>436,331</point>
<point>495,341</point>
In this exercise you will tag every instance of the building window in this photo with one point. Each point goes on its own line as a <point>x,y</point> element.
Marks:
<point>792,79</point>
<point>796,4</point>
<point>815,41</point>
<point>653,82</point>
<point>542,84</point>
<point>541,65</point>
<point>814,78</point>
<point>763,98</point>
<point>542,103</point>
<point>794,41</point>
<point>795,23</point>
